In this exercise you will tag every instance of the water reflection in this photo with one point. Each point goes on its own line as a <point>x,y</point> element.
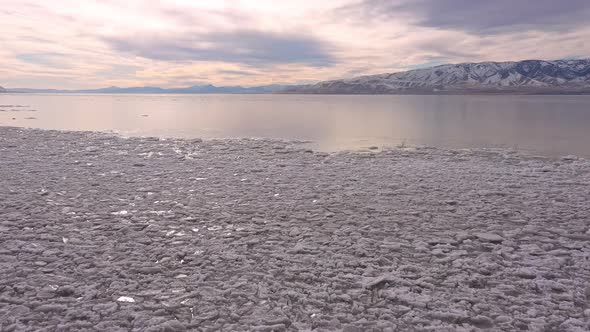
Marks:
<point>551,125</point>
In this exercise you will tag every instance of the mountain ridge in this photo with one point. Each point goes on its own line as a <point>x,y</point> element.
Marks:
<point>195,89</point>
<point>526,77</point>
<point>508,77</point>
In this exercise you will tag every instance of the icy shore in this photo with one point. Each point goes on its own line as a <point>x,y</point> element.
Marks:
<point>111,234</point>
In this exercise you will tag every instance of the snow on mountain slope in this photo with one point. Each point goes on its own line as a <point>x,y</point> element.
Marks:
<point>523,76</point>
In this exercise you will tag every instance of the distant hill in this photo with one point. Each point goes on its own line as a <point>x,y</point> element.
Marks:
<point>521,77</point>
<point>524,77</point>
<point>197,89</point>
<point>2,89</point>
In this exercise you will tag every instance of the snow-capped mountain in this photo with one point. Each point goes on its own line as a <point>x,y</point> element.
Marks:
<point>529,76</point>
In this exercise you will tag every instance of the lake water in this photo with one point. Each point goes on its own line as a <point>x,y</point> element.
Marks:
<point>547,125</point>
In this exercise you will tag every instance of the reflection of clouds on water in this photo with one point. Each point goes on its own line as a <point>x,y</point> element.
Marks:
<point>553,125</point>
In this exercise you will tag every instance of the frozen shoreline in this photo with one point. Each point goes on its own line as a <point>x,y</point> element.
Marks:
<point>145,234</point>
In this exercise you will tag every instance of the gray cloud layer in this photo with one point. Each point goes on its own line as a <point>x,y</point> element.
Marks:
<point>170,43</point>
<point>486,16</point>
<point>53,60</point>
<point>246,47</point>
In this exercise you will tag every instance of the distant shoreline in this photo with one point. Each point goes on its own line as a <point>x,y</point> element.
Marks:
<point>448,93</point>
<point>413,93</point>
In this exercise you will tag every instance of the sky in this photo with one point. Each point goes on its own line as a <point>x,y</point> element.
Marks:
<point>72,44</point>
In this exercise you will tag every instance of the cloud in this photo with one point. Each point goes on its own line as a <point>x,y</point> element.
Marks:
<point>182,16</point>
<point>93,43</point>
<point>52,60</point>
<point>485,17</point>
<point>446,46</point>
<point>119,70</point>
<point>236,72</point>
<point>247,47</point>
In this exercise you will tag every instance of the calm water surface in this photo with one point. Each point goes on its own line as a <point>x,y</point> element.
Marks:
<point>548,125</point>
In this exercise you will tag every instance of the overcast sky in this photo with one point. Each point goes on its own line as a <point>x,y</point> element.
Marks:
<point>97,43</point>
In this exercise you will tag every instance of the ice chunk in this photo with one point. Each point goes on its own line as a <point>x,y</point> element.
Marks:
<point>525,273</point>
<point>376,282</point>
<point>405,296</point>
<point>489,237</point>
<point>126,299</point>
